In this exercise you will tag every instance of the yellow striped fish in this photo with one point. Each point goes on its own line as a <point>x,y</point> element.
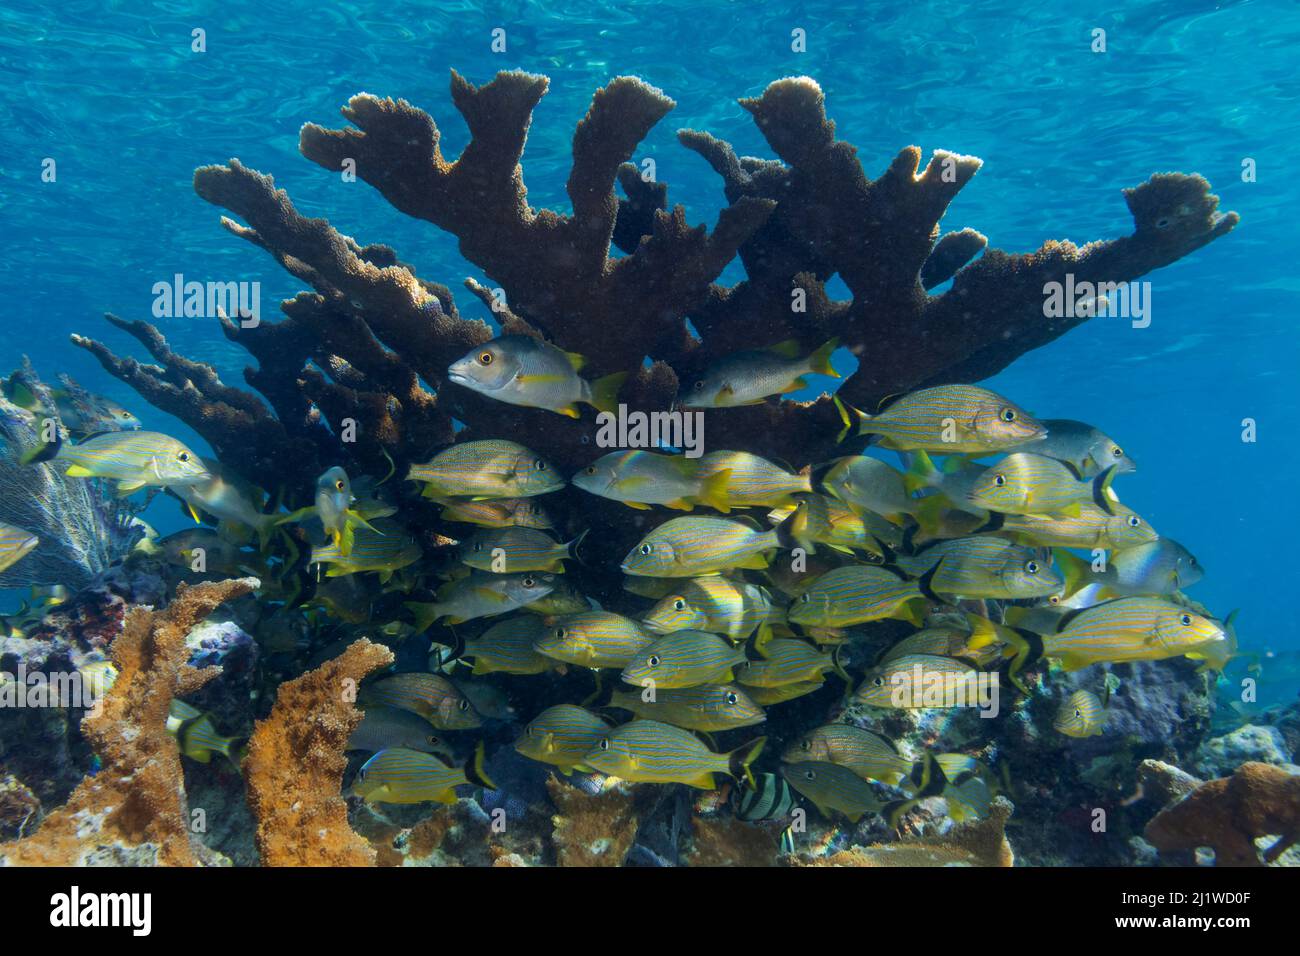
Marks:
<point>785,661</point>
<point>867,754</point>
<point>717,604</point>
<point>132,459</point>
<point>779,694</point>
<point>593,639</point>
<point>432,696</point>
<point>482,595</point>
<point>832,787</point>
<point>1081,715</point>
<point>507,550</point>
<point>914,681</point>
<point>498,513</point>
<point>1128,629</point>
<point>686,547</point>
<point>493,468</point>
<point>708,707</point>
<point>683,659</point>
<point>948,419</point>
<point>197,736</point>
<point>1090,528</point>
<point>822,520</point>
<point>982,567</point>
<point>562,736</point>
<point>385,548</point>
<point>869,484</point>
<point>507,647</point>
<point>855,594</point>
<point>1025,484</point>
<point>523,370</point>
<point>647,751</point>
<point>398,775</point>
<point>15,544</point>
<point>640,479</point>
<point>752,481</point>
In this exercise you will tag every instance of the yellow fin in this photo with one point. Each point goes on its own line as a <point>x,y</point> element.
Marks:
<point>80,471</point>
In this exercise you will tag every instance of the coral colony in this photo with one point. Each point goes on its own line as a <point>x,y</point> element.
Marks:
<point>395,633</point>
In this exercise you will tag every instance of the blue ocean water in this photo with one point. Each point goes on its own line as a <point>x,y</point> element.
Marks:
<point>115,95</point>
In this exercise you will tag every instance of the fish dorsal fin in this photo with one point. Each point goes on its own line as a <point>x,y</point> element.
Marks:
<point>787,349</point>
<point>576,362</point>
<point>888,400</point>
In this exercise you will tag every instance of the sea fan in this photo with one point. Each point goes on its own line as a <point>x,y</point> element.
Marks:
<point>82,528</point>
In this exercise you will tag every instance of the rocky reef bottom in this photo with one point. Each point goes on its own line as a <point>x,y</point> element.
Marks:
<point>1170,783</point>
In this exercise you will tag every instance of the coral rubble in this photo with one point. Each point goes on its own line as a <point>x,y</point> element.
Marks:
<point>134,809</point>
<point>1229,814</point>
<point>295,765</point>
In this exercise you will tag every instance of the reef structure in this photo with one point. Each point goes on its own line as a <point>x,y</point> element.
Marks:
<point>134,810</point>
<point>371,341</point>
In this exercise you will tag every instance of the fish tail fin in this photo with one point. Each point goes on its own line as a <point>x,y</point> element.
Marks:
<point>571,548</point>
<point>839,668</point>
<point>849,417</point>
<point>713,491</point>
<point>476,769</point>
<point>1102,493</point>
<point>739,760</point>
<point>921,472</point>
<point>820,360</point>
<point>46,451</point>
<point>791,531</point>
<point>234,749</point>
<point>929,515</point>
<point>345,538</point>
<point>265,528</point>
<point>1074,569</point>
<point>425,613</point>
<point>604,391</point>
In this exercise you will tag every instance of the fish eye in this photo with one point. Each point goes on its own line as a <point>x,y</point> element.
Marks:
<point>807,744</point>
<point>878,681</point>
<point>1186,620</point>
<point>999,480</point>
<point>1078,712</point>
<point>1134,521</point>
<point>810,774</point>
<point>184,456</point>
<point>464,704</point>
<point>559,633</point>
<point>653,660</point>
<point>699,386</point>
<point>528,731</point>
<point>806,598</point>
<point>339,484</point>
<point>529,582</point>
<point>591,469</point>
<point>1031,567</point>
<point>485,358</point>
<point>1054,599</point>
<point>126,415</point>
<point>604,743</point>
<point>679,605</point>
<point>539,465</point>
<point>1117,452</point>
<point>646,548</point>
<point>1008,415</point>
<point>732,698</point>
<point>432,740</point>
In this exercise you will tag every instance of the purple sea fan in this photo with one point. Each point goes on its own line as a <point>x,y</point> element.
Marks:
<point>82,528</point>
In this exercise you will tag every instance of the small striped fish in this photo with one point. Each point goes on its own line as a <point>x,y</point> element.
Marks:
<point>982,567</point>
<point>509,550</point>
<point>949,420</point>
<point>768,696</point>
<point>197,736</point>
<point>398,775</point>
<point>483,595</point>
<point>647,751</point>
<point>785,661</point>
<point>869,755</point>
<point>639,479</point>
<point>133,459</point>
<point>855,594</point>
<point>685,547</point>
<point>832,787</point>
<point>914,681</point>
<point>709,707</point>
<point>15,544</point>
<point>507,647</point>
<point>752,481</point>
<point>561,736</point>
<point>384,548</point>
<point>683,659</point>
<point>1081,715</point>
<point>498,513</point>
<point>494,468</point>
<point>1025,484</point>
<point>432,696</point>
<point>770,798</point>
<point>593,639</point>
<point>822,520</point>
<point>1128,629</point>
<point>1091,528</point>
<point>869,484</point>
<point>717,604</point>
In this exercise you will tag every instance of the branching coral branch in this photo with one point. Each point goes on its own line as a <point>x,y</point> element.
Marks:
<point>135,803</point>
<point>295,765</point>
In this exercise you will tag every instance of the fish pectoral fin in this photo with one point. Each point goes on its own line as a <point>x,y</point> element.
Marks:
<point>637,505</point>
<point>542,378</point>
<point>569,411</point>
<point>79,471</point>
<point>680,504</point>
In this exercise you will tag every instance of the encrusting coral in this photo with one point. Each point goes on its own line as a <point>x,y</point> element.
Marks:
<point>1230,813</point>
<point>295,764</point>
<point>134,809</point>
<point>592,829</point>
